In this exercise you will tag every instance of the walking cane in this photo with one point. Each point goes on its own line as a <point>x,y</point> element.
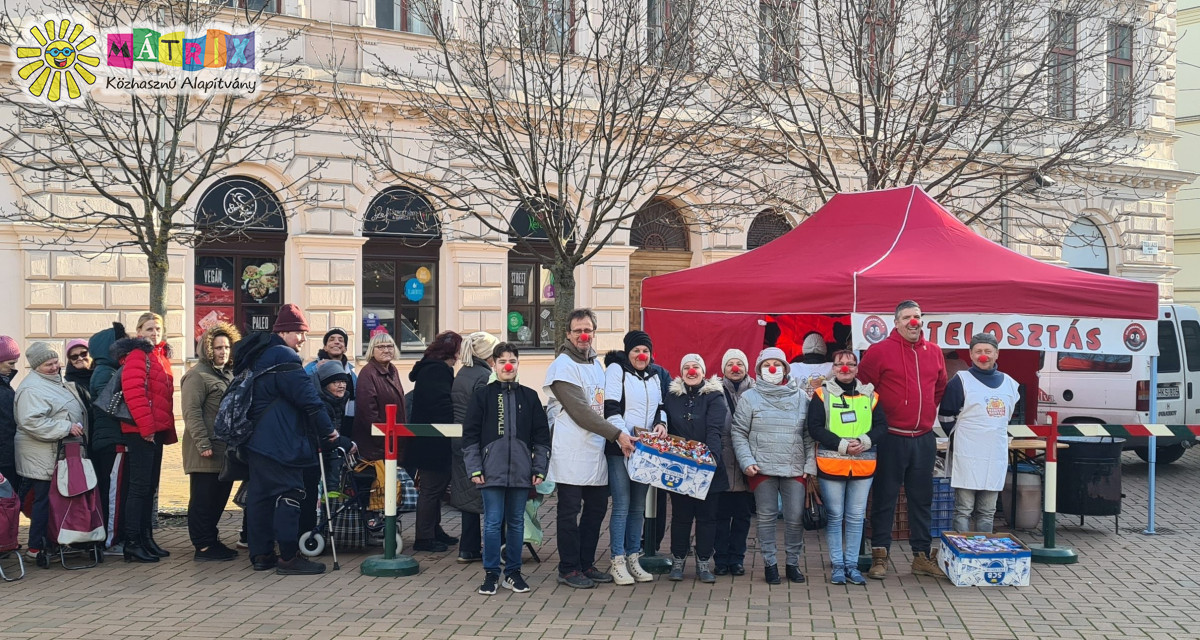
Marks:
<point>328,515</point>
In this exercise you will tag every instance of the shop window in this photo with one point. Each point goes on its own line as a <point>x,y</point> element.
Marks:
<point>531,287</point>
<point>400,269</point>
<point>239,274</point>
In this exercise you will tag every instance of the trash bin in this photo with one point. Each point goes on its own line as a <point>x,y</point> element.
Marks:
<point>1029,497</point>
<point>1089,476</point>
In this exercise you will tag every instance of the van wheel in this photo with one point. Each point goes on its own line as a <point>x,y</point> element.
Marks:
<point>1166,455</point>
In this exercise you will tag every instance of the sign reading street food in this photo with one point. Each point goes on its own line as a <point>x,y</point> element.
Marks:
<point>1035,333</point>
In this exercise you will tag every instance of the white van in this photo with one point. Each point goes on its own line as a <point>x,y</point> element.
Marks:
<point>1110,389</point>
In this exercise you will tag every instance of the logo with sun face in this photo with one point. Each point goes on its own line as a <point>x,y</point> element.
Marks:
<point>59,58</point>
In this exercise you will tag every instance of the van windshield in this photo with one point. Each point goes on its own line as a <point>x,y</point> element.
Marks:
<point>1100,362</point>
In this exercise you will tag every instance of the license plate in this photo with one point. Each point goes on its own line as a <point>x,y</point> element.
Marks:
<point>1168,392</point>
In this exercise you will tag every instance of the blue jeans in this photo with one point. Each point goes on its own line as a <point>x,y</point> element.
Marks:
<point>503,505</point>
<point>845,506</point>
<point>628,509</point>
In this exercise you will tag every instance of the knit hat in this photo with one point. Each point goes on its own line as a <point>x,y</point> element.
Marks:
<point>768,354</point>
<point>336,331</point>
<point>332,371</point>
<point>637,338</point>
<point>77,342</point>
<point>814,343</point>
<point>984,338</point>
<point>477,345</point>
<point>692,357</point>
<point>40,352</point>
<point>9,349</point>
<point>290,318</point>
<point>733,354</point>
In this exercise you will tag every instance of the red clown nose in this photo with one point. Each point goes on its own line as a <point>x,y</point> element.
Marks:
<point>983,358</point>
<point>914,323</point>
<point>693,371</point>
<point>844,369</point>
<point>508,368</point>
<point>643,357</point>
<point>771,368</point>
<point>735,369</point>
<point>585,337</point>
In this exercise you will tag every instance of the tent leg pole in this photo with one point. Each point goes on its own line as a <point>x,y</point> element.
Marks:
<point>1153,445</point>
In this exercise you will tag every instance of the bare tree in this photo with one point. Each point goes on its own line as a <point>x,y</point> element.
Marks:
<point>979,102</point>
<point>141,154</point>
<point>570,111</point>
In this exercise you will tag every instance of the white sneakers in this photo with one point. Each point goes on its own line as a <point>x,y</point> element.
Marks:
<point>620,572</point>
<point>634,567</point>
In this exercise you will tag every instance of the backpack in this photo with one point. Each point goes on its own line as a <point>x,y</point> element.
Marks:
<point>233,424</point>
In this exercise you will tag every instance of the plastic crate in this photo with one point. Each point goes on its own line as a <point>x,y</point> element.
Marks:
<point>942,511</point>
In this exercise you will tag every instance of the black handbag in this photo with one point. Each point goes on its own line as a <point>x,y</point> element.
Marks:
<point>814,516</point>
<point>111,399</point>
<point>234,467</point>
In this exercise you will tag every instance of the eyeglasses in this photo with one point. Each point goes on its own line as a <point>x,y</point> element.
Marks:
<point>385,347</point>
<point>82,355</point>
<point>579,332</point>
<point>846,364</point>
<point>56,52</point>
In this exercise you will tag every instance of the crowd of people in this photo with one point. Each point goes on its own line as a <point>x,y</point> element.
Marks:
<point>779,431</point>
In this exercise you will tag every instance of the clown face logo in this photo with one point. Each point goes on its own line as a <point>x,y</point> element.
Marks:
<point>1135,337</point>
<point>59,57</point>
<point>874,329</point>
<point>996,408</point>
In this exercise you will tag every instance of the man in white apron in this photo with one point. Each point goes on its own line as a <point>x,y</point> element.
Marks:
<point>575,386</point>
<point>975,412</point>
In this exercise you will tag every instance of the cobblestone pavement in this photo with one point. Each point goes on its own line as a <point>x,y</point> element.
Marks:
<point>1126,585</point>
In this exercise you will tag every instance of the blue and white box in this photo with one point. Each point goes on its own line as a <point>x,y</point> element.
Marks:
<point>670,472</point>
<point>994,569</point>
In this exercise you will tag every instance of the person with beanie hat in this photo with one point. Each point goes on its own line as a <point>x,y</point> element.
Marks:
<point>46,410</point>
<point>633,399</point>
<point>10,353</point>
<point>774,450</point>
<point>696,410</point>
<point>813,370</point>
<point>104,436</point>
<point>290,420</point>
<point>201,391</point>
<point>333,385</point>
<point>336,346</point>
<point>735,505</point>
<point>975,413</point>
<point>476,357</point>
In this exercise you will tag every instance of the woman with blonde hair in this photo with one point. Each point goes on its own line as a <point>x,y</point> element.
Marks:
<point>149,388</point>
<point>477,361</point>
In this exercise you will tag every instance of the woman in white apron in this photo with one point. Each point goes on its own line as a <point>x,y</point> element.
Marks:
<point>975,412</point>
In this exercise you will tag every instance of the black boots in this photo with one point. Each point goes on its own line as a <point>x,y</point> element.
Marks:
<point>136,552</point>
<point>152,546</point>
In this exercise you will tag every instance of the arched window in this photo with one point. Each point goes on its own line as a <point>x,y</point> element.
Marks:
<point>239,269</point>
<point>1084,247</point>
<point>400,269</point>
<point>531,290</point>
<point>659,226</point>
<point>766,226</point>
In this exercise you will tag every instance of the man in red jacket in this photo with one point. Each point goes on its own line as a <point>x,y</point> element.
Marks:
<point>909,374</point>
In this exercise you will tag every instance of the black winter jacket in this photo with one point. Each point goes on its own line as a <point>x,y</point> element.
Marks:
<point>8,423</point>
<point>432,381</point>
<point>463,495</point>
<point>699,413</point>
<point>506,458</point>
<point>105,430</point>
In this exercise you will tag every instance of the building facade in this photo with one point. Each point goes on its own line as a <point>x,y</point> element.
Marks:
<point>378,257</point>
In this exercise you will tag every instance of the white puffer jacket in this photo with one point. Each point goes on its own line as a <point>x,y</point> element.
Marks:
<point>45,408</point>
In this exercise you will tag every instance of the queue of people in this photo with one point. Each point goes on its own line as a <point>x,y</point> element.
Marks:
<point>844,429</point>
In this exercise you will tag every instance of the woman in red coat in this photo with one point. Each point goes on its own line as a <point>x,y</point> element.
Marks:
<point>149,388</point>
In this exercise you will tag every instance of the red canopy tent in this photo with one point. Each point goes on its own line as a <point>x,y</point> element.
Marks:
<point>862,253</point>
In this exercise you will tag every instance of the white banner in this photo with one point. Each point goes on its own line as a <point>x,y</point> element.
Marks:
<point>1036,333</point>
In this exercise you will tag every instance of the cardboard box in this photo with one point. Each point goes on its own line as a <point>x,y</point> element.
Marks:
<point>967,568</point>
<point>670,472</point>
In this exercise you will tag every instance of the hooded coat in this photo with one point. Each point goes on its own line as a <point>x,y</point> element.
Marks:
<point>8,422</point>
<point>433,381</point>
<point>45,408</point>
<point>201,389</point>
<point>149,387</point>
<point>699,413</point>
<point>105,430</point>
<point>769,430</point>
<point>733,394</point>
<point>910,378</point>
<point>463,493</point>
<point>508,445</point>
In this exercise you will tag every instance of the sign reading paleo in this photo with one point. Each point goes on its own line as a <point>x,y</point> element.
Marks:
<point>1035,333</point>
<point>61,60</point>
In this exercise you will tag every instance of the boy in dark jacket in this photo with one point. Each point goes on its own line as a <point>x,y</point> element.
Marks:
<point>506,449</point>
